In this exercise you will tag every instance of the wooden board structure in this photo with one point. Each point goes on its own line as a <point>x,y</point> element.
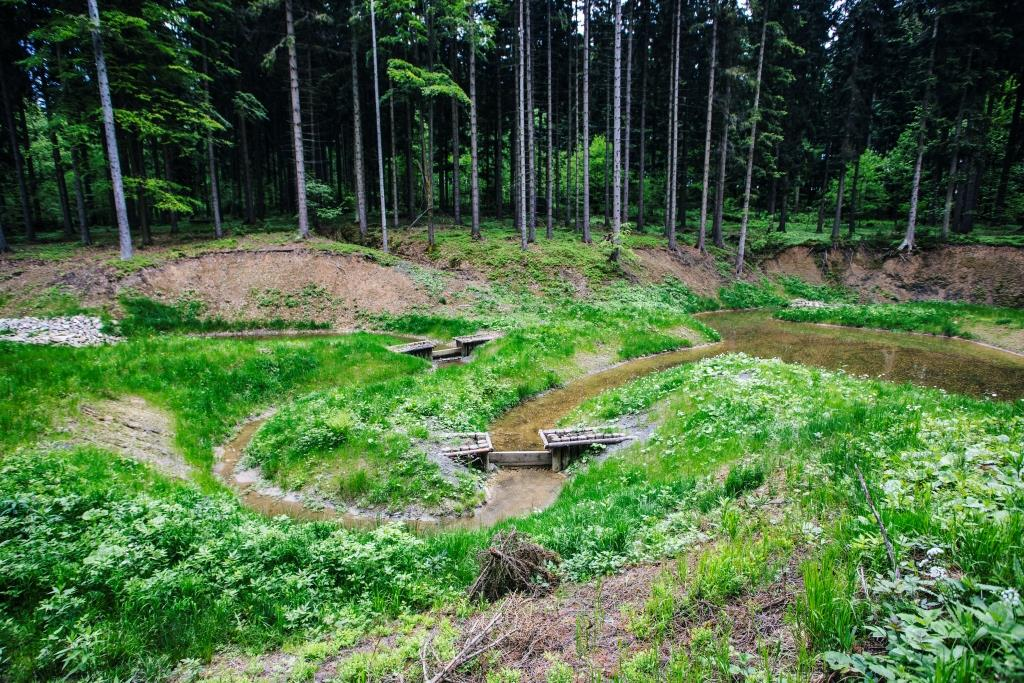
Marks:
<point>422,349</point>
<point>467,343</point>
<point>469,448</point>
<point>566,443</point>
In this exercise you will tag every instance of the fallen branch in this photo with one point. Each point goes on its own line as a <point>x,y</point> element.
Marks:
<point>881,524</point>
<point>470,650</point>
<point>514,564</point>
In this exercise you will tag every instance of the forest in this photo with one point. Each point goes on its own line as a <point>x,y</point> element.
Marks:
<point>538,341</point>
<point>670,117</point>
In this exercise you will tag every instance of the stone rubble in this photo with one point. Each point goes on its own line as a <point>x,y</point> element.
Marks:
<point>74,330</point>
<point>807,303</point>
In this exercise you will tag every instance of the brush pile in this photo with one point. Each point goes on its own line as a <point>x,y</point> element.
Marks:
<point>514,564</point>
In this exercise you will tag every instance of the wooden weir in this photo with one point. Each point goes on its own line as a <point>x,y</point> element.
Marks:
<point>421,349</point>
<point>467,343</point>
<point>564,444</point>
<point>470,448</point>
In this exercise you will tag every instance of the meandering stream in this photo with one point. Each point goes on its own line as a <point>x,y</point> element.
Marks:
<point>954,365</point>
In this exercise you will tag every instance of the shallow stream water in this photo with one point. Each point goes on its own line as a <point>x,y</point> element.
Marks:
<point>954,365</point>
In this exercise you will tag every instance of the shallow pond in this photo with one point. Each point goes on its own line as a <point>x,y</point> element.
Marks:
<point>954,365</point>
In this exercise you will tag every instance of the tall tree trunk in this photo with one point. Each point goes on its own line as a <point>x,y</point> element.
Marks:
<point>840,196</point>
<point>394,161</point>
<point>357,140</point>
<point>549,223</point>
<point>410,174</point>
<point>784,211</point>
<point>723,157</point>
<point>521,209</point>
<point>642,167</point>
<point>531,146</point>
<point>300,165</point>
<point>617,136</point>
<point>672,178</point>
<point>19,170</point>
<point>854,197</point>
<point>211,161</point>
<point>456,152</point>
<point>499,157</point>
<point>626,140</point>
<point>114,161</point>
<point>585,123</point>
<point>83,221</point>
<point>908,242</point>
<point>172,216</point>
<point>1012,143</point>
<point>380,144</point>
<point>136,159</point>
<point>474,158</point>
<point>954,162</point>
<point>753,143</point>
<point>62,185</point>
<point>707,137</point>
<point>606,205</point>
<point>824,190</point>
<point>33,182</point>
<point>247,184</point>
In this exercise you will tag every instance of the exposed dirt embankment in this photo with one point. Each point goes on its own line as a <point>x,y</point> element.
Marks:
<point>975,273</point>
<point>289,284</point>
<point>695,270</point>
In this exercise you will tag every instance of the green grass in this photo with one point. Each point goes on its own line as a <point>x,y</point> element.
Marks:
<point>742,294</point>
<point>144,316</point>
<point>926,317</point>
<point>797,288</point>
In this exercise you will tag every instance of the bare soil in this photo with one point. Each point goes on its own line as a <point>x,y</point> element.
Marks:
<point>133,428</point>
<point>695,270</point>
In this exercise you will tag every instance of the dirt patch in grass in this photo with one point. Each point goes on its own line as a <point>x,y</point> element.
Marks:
<point>695,270</point>
<point>288,284</point>
<point>133,428</point>
<point>1011,338</point>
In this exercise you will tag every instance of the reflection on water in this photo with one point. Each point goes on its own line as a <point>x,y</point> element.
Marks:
<point>950,364</point>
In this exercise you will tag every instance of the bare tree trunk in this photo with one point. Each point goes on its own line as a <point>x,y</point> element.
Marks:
<point>300,164</point>
<point>641,175</point>
<point>117,182</point>
<point>707,138</point>
<point>19,169</point>
<point>474,159</point>
<point>83,222</point>
<point>211,162</point>
<point>824,190</point>
<point>626,140</point>
<point>854,197</point>
<point>922,128</point>
<point>394,162</point>
<point>585,124</point>
<point>673,154</point>
<point>1012,140</point>
<point>357,140</point>
<point>531,147</point>
<point>247,189</point>
<point>616,137</point>
<point>521,133</point>
<point>499,159</point>
<point>840,196</point>
<point>62,185</point>
<point>549,224</point>
<point>456,153</point>
<point>750,154</point>
<point>954,163</point>
<point>380,144</point>
<point>723,158</point>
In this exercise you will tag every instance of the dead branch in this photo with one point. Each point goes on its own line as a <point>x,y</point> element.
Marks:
<point>470,650</point>
<point>514,564</point>
<point>881,524</point>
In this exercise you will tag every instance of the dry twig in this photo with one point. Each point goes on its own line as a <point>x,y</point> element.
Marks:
<point>881,524</point>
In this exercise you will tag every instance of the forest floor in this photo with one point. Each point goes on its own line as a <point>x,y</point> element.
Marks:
<point>733,540</point>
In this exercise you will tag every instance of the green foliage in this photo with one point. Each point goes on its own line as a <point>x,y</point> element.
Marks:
<point>748,295</point>
<point>798,288</point>
<point>144,316</point>
<point>743,478</point>
<point>826,610</point>
<point>114,571</point>
<point>648,343</point>
<point>433,326</point>
<point>424,82</point>
<point>933,318</point>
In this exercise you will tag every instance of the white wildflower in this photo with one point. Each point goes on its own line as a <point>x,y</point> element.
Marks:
<point>934,552</point>
<point>937,572</point>
<point>1010,596</point>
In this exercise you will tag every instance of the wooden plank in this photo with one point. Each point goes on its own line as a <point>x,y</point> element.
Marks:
<point>478,337</point>
<point>521,458</point>
<point>413,347</point>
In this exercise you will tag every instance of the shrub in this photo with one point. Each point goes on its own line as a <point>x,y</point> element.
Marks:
<point>748,295</point>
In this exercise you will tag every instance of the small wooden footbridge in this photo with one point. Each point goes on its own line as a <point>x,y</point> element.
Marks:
<point>461,347</point>
<point>560,447</point>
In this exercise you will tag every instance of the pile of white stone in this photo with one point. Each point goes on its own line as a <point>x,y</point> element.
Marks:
<point>73,330</point>
<point>808,303</point>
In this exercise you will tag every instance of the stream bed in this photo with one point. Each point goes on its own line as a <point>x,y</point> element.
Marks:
<point>955,365</point>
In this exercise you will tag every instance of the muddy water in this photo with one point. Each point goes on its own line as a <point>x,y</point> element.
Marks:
<point>951,364</point>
